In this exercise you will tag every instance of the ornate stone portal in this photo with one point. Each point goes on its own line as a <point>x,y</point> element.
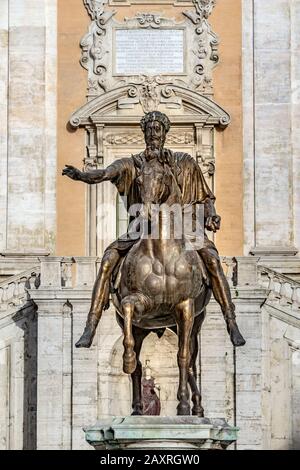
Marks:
<point>175,76</point>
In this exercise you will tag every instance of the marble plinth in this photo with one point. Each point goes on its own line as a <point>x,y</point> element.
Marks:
<point>158,433</point>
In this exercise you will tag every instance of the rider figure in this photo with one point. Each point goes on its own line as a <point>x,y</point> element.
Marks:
<point>123,173</point>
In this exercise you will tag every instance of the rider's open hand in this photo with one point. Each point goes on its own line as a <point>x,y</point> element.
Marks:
<point>72,172</point>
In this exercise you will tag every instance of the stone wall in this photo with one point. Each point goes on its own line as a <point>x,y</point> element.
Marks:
<point>28,125</point>
<point>51,390</point>
<point>64,389</point>
<point>271,78</point>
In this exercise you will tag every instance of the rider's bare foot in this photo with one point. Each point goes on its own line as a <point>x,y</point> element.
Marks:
<point>235,335</point>
<point>87,338</point>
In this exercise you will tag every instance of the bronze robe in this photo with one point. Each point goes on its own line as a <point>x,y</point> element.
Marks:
<point>188,175</point>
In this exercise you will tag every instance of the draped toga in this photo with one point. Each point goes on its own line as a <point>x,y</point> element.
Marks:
<point>188,175</point>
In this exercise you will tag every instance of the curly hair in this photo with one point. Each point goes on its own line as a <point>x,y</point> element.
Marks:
<point>156,116</point>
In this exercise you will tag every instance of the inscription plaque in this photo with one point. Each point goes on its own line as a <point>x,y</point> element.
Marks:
<point>149,52</point>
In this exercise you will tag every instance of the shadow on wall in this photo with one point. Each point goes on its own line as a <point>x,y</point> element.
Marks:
<point>28,315</point>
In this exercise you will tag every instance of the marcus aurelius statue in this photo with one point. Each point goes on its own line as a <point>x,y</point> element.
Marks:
<point>156,283</point>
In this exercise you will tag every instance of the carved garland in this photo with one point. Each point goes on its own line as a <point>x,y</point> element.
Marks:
<point>148,20</point>
<point>204,37</point>
<point>92,44</point>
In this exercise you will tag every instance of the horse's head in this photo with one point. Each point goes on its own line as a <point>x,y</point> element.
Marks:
<point>157,184</point>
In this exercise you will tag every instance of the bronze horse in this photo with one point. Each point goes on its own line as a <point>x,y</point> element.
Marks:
<point>162,285</point>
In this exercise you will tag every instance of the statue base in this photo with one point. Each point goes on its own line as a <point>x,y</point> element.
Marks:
<point>161,433</point>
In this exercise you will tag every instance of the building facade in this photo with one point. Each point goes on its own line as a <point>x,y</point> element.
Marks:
<point>76,78</point>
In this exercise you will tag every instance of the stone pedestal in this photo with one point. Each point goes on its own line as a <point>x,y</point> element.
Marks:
<point>161,433</point>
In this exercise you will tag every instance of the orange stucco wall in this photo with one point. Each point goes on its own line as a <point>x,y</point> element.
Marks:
<point>227,22</point>
<point>72,80</point>
<point>72,83</point>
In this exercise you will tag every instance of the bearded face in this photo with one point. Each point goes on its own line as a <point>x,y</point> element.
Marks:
<point>155,137</point>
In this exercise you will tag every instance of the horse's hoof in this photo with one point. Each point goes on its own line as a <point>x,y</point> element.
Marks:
<point>86,339</point>
<point>129,363</point>
<point>198,411</point>
<point>235,335</point>
<point>183,409</point>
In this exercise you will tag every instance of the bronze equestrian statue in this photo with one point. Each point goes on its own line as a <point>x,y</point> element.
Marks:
<point>159,283</point>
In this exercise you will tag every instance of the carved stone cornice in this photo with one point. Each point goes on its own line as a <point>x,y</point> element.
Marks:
<point>202,108</point>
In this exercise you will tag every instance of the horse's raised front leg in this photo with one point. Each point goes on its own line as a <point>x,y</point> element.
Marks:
<point>129,356</point>
<point>137,405</point>
<point>184,320</point>
<point>196,395</point>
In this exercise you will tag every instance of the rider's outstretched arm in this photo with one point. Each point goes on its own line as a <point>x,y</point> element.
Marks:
<point>93,176</point>
<point>97,176</point>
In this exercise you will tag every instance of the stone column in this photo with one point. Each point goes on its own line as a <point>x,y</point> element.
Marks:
<point>249,359</point>
<point>217,366</point>
<point>84,374</point>
<point>67,382</point>
<point>3,119</point>
<point>295,112</point>
<point>249,372</point>
<point>270,116</point>
<point>54,360</point>
<point>28,124</point>
<point>231,377</point>
<point>54,397</point>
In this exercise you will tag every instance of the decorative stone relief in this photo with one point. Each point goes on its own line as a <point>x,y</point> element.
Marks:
<point>124,139</point>
<point>150,92</point>
<point>200,45</point>
<point>204,7</point>
<point>180,139</point>
<point>93,45</point>
<point>205,45</point>
<point>137,139</point>
<point>147,20</point>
